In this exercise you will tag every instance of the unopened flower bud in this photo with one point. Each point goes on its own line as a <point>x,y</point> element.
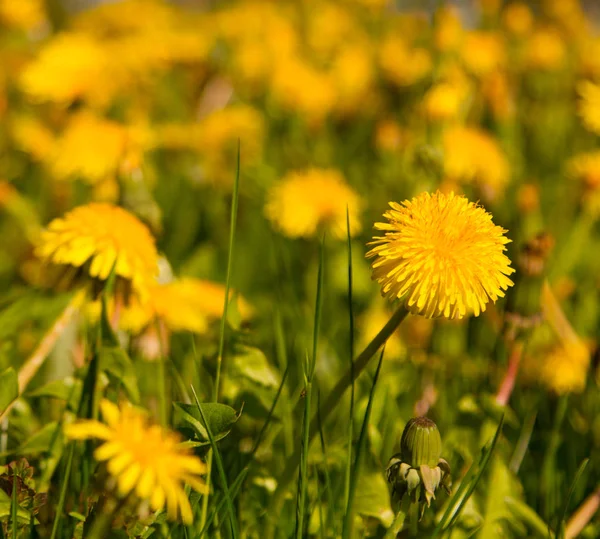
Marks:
<point>421,443</point>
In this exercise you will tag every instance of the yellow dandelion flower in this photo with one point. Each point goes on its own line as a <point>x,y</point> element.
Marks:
<point>545,50</point>
<point>33,137</point>
<point>444,101</point>
<point>589,105</point>
<point>24,14</point>
<point>143,458</point>
<point>442,254</point>
<point>448,29</point>
<point>517,18</point>
<point>353,75</point>
<point>69,67</point>
<point>101,236</point>
<point>586,167</point>
<point>303,89</point>
<point>91,148</point>
<point>185,304</point>
<point>472,155</point>
<point>402,64</point>
<point>564,369</point>
<point>483,52</point>
<point>304,201</point>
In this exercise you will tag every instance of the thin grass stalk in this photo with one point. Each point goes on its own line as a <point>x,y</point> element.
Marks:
<point>63,491</point>
<point>350,359</point>
<point>467,486</point>
<point>220,468</point>
<point>14,505</point>
<point>560,528</point>
<point>522,443</point>
<point>347,531</point>
<point>328,490</point>
<point>309,371</point>
<point>330,404</point>
<point>215,396</point>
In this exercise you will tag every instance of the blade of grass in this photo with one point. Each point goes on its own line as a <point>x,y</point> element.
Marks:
<point>527,515</point>
<point>242,475</point>
<point>14,506</point>
<point>335,396</point>
<point>309,371</point>
<point>351,357</point>
<point>63,491</point>
<point>467,487</point>
<point>232,226</point>
<point>560,528</point>
<point>328,497</point>
<point>362,439</point>
<point>220,469</point>
<point>523,443</point>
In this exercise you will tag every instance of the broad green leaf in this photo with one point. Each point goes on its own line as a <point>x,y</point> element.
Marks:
<point>23,516</point>
<point>9,388</point>
<point>67,389</point>
<point>220,418</point>
<point>116,362</point>
<point>41,440</point>
<point>252,364</point>
<point>373,499</point>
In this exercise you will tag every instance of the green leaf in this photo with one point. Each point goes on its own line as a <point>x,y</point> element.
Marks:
<point>66,389</point>
<point>252,364</point>
<point>373,499</point>
<point>116,362</point>
<point>9,388</point>
<point>220,418</point>
<point>23,516</point>
<point>41,441</point>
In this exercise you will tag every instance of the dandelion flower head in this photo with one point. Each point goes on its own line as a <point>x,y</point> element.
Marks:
<point>304,201</point>
<point>443,254</point>
<point>143,458</point>
<point>101,236</point>
<point>589,105</point>
<point>564,369</point>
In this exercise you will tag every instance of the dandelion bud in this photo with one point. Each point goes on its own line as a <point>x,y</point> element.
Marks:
<point>421,443</point>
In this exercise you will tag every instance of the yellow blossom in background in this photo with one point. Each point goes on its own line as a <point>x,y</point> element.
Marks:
<point>545,50</point>
<point>145,459</point>
<point>304,201</point>
<point>586,169</point>
<point>472,155</point>
<point>69,67</point>
<point>354,77</point>
<point>33,137</point>
<point>185,304</point>
<point>401,63</point>
<point>331,27</point>
<point>445,100</point>
<point>498,93</point>
<point>517,18</point>
<point>301,88</point>
<point>564,369</point>
<point>442,254</point>
<point>23,14</point>
<point>90,147</point>
<point>100,236</point>
<point>448,29</point>
<point>483,52</point>
<point>589,105</point>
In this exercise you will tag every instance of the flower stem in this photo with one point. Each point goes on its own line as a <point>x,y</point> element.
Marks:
<point>329,405</point>
<point>398,523</point>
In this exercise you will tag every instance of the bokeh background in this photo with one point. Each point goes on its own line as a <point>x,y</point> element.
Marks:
<point>333,107</point>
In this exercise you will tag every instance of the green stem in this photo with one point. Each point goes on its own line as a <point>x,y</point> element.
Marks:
<point>329,405</point>
<point>398,523</point>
